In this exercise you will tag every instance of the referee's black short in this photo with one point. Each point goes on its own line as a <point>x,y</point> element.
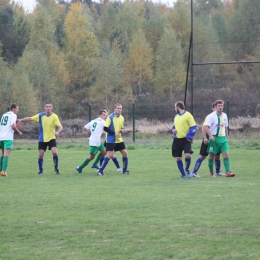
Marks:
<point>115,146</point>
<point>179,145</point>
<point>44,145</point>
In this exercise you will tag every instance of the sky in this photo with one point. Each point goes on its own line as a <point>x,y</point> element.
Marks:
<point>30,4</point>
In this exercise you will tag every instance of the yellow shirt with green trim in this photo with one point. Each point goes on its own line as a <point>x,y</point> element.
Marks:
<point>217,123</point>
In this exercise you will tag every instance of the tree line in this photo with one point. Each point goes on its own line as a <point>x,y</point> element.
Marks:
<point>80,53</point>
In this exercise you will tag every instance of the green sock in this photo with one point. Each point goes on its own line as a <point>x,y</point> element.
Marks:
<point>5,163</point>
<point>210,164</point>
<point>227,164</point>
<point>85,163</point>
<point>1,163</point>
<point>98,159</point>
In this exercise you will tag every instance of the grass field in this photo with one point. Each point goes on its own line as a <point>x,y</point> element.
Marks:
<point>150,214</point>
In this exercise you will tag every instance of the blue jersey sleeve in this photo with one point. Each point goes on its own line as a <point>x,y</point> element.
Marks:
<point>192,132</point>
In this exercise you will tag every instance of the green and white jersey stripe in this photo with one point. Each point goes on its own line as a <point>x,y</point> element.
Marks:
<point>217,123</point>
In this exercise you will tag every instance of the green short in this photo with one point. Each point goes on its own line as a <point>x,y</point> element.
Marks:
<point>6,144</point>
<point>95,149</point>
<point>219,146</point>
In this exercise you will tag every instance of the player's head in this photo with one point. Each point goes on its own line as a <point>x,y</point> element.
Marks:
<point>106,110</point>
<point>48,107</point>
<point>118,109</point>
<point>179,106</point>
<point>102,114</point>
<point>219,105</point>
<point>14,108</point>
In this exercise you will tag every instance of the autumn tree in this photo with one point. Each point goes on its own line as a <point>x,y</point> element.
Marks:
<point>179,21</point>
<point>138,66</point>
<point>80,47</point>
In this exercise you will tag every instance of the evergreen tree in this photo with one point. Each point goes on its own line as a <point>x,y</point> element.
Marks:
<point>154,23</point>
<point>129,22</point>
<point>108,75</point>
<point>170,71</point>
<point>220,26</point>
<point>14,32</point>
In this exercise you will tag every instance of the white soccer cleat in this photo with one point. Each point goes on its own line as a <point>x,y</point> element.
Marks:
<point>220,174</point>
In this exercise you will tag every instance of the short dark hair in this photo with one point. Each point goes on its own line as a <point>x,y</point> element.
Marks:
<point>180,104</point>
<point>101,112</point>
<point>105,108</point>
<point>13,106</point>
<point>219,101</point>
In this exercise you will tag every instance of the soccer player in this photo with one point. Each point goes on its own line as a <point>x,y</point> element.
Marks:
<point>100,157</point>
<point>184,129</point>
<point>7,128</point>
<point>114,127</point>
<point>204,154</point>
<point>95,128</point>
<point>215,126</point>
<point>48,121</point>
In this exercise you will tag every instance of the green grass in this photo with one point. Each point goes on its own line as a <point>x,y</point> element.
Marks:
<point>150,214</point>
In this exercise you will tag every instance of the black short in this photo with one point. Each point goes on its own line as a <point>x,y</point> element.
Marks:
<point>44,145</point>
<point>179,145</point>
<point>115,146</point>
<point>203,150</point>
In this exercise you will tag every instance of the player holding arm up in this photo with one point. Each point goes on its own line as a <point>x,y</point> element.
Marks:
<point>184,129</point>
<point>48,121</point>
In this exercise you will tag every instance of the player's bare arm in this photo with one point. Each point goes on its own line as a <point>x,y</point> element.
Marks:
<point>57,133</point>
<point>26,119</point>
<point>87,130</point>
<point>14,127</point>
<point>205,139</point>
<point>207,131</point>
<point>227,135</point>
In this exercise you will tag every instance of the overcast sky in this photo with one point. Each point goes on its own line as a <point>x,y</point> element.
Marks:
<point>30,4</point>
